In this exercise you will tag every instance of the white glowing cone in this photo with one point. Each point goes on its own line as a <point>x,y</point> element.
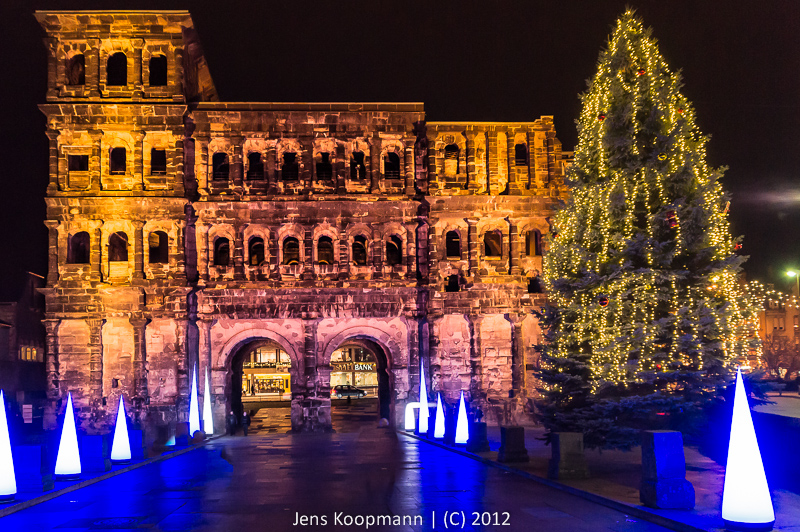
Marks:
<point>423,400</point>
<point>438,427</point>
<point>194,407</point>
<point>8,481</point>
<point>121,447</point>
<point>208,421</point>
<point>68,462</point>
<point>462,428</point>
<point>746,502</point>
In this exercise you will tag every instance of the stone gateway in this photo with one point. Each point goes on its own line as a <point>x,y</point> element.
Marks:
<point>260,241</point>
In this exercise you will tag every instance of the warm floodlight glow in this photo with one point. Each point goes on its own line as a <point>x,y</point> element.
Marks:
<point>746,502</point>
<point>410,420</point>
<point>791,273</point>
<point>194,407</point>
<point>462,430</point>
<point>8,482</point>
<point>438,427</point>
<point>208,421</point>
<point>68,462</point>
<point>423,400</point>
<point>121,448</point>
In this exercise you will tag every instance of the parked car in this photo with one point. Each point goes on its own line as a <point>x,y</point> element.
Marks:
<point>347,391</point>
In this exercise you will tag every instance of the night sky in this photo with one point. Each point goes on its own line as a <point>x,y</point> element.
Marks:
<point>480,61</point>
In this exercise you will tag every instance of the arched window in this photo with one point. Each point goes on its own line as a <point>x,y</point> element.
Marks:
<point>76,70</point>
<point>290,170</point>
<point>255,166</point>
<point>521,155</point>
<point>493,244</point>
<point>118,247</point>
<point>533,243</point>
<point>158,161</point>
<point>255,250</point>
<point>391,166</point>
<point>452,244</point>
<point>535,285</point>
<point>452,284</point>
<point>394,250</point>
<point>324,167</point>
<point>158,71</point>
<point>116,161</point>
<point>325,250</point>
<point>159,247</point>
<point>360,250</point>
<point>222,252</point>
<point>291,250</point>
<point>451,159</point>
<point>219,166</point>
<point>78,248</point>
<point>117,70</point>
<point>78,163</point>
<point>357,168</point>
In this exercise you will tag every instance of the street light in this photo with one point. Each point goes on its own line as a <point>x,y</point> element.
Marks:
<point>796,275</point>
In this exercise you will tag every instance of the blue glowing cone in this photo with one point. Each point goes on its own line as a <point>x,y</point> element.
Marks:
<point>746,503</point>
<point>438,427</point>
<point>68,462</point>
<point>410,421</point>
<point>208,421</point>
<point>462,428</point>
<point>121,447</point>
<point>194,407</point>
<point>423,400</point>
<point>171,441</point>
<point>8,481</point>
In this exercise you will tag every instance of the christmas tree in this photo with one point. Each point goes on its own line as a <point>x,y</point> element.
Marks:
<point>645,307</point>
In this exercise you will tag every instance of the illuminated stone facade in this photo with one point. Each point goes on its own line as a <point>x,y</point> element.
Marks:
<point>183,228</point>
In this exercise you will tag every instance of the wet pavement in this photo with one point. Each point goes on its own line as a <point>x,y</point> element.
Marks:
<point>359,478</point>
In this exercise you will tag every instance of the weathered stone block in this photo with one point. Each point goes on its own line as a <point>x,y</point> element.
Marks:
<point>568,460</point>
<point>512,445</point>
<point>478,440</point>
<point>664,483</point>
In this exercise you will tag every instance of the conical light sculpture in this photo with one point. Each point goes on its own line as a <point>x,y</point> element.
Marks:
<point>423,400</point>
<point>68,461</point>
<point>462,428</point>
<point>121,447</point>
<point>208,421</point>
<point>746,502</point>
<point>8,481</point>
<point>194,407</point>
<point>438,427</point>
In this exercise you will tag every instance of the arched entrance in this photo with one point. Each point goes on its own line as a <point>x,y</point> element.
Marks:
<point>360,365</point>
<point>260,377</point>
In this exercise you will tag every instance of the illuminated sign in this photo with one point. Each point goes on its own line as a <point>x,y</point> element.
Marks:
<point>353,366</point>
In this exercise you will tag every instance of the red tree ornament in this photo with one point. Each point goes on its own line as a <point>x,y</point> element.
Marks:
<point>601,117</point>
<point>641,72</point>
<point>672,219</point>
<point>602,301</point>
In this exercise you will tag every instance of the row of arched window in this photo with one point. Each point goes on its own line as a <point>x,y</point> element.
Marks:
<point>290,168</point>
<point>492,244</point>
<point>117,161</point>
<point>117,70</point>
<point>452,153</point>
<point>291,251</point>
<point>79,247</point>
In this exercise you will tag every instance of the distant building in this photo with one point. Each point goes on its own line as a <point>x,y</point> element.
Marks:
<point>285,247</point>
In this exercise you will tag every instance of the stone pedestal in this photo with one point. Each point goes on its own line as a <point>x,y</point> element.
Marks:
<point>478,440</point>
<point>95,452</point>
<point>512,445</point>
<point>137,439</point>
<point>568,460</point>
<point>182,434</point>
<point>664,483</point>
<point>31,468</point>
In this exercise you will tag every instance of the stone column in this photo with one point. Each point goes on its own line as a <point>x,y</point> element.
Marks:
<point>308,262</point>
<point>517,356</point>
<point>52,67</point>
<point>138,250</point>
<point>274,253</point>
<point>409,166</point>
<point>96,250</point>
<point>53,375</point>
<point>237,164</point>
<point>472,176</point>
<point>138,161</point>
<point>238,253</point>
<point>377,255</point>
<point>138,88</point>
<point>491,160</point>
<point>139,358</point>
<point>52,136</point>
<point>472,246</point>
<point>514,187</point>
<point>201,232</point>
<point>433,175</point>
<point>375,165</point>
<point>177,184</point>
<point>93,69</point>
<point>411,249</point>
<point>95,359</point>
<point>175,81</point>
<point>513,248</point>
<point>344,255</point>
<point>94,161</point>
<point>53,252</point>
<point>476,361</point>
<point>269,168</point>
<point>202,170</point>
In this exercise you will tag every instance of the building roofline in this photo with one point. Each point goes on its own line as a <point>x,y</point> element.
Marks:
<point>112,11</point>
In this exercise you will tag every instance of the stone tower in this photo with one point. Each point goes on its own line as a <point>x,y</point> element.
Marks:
<point>184,231</point>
